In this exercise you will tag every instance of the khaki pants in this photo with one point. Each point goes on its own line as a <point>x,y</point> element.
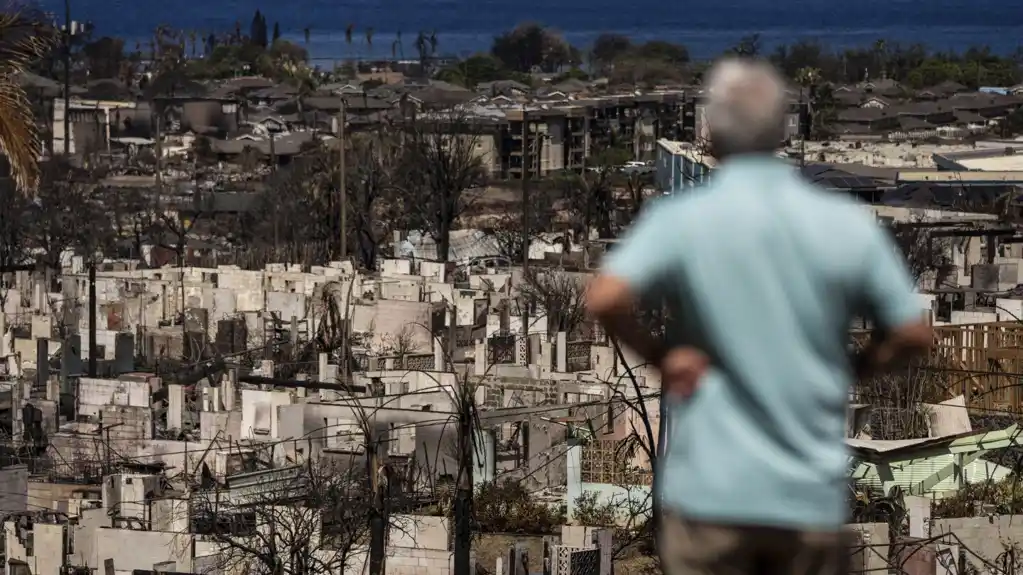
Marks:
<point>694,548</point>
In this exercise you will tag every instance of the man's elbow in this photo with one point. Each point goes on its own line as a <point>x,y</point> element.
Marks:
<point>913,339</point>
<point>607,296</point>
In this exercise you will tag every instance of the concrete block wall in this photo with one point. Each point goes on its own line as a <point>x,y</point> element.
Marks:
<point>968,317</point>
<point>870,547</point>
<point>988,537</point>
<point>433,271</point>
<point>127,423</point>
<point>45,557</point>
<point>225,292</point>
<point>438,292</point>
<point>259,411</point>
<point>132,549</point>
<point>104,337</point>
<point>490,282</point>
<point>51,495</point>
<point>418,545</point>
<point>405,561</point>
<point>388,317</point>
<point>402,290</point>
<point>420,532</point>
<point>391,268</point>
<point>1009,309</point>
<point>94,393</point>
<point>287,305</point>
<point>15,303</point>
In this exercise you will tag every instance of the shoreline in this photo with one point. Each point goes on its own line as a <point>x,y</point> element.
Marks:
<point>327,46</point>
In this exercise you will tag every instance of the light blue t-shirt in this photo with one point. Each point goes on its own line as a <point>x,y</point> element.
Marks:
<point>764,272</point>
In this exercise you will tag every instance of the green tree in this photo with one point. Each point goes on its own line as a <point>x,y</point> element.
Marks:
<point>104,57</point>
<point>508,507</point>
<point>474,70</point>
<point>609,47</point>
<point>532,45</point>
<point>912,65</point>
<point>804,54</point>
<point>663,51</point>
<point>257,31</point>
<point>574,73</point>
<point>934,71</point>
<point>277,31</point>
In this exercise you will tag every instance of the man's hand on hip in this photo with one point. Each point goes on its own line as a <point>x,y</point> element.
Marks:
<point>681,370</point>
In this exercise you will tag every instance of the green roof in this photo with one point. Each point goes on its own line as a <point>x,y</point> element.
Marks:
<point>910,474</point>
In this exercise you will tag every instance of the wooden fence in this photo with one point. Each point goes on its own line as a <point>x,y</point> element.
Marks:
<point>982,361</point>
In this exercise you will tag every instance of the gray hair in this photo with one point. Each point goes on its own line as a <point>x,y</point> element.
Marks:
<point>745,110</point>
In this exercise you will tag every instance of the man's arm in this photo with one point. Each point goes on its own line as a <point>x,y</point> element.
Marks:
<point>611,300</point>
<point>888,296</point>
<point>640,268</point>
<point>898,344</point>
<point>634,270</point>
<point>613,303</point>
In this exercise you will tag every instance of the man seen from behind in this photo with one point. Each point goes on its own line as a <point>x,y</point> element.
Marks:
<point>761,274</point>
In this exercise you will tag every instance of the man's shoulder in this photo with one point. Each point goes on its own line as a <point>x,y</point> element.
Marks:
<point>686,202</point>
<point>836,207</point>
<point>671,207</point>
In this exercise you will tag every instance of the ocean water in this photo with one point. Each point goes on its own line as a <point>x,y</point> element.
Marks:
<point>707,27</point>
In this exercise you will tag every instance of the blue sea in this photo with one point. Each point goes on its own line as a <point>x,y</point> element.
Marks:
<point>463,27</point>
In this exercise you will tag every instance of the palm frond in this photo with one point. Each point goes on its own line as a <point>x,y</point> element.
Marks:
<point>22,41</point>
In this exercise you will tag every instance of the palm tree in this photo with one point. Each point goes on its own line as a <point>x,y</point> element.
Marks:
<point>807,76</point>
<point>397,47</point>
<point>881,53</point>
<point>748,46</point>
<point>21,43</point>
<point>349,30</point>
<point>422,47</point>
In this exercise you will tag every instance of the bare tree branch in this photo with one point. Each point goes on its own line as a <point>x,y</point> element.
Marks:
<point>439,165</point>
<point>303,520</point>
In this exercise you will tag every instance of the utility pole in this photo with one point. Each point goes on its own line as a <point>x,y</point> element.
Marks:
<point>104,432</point>
<point>343,184</point>
<point>804,114</point>
<point>273,166</point>
<point>92,317</point>
<point>378,523</point>
<point>527,168</point>
<point>463,497</point>
<point>67,77</point>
